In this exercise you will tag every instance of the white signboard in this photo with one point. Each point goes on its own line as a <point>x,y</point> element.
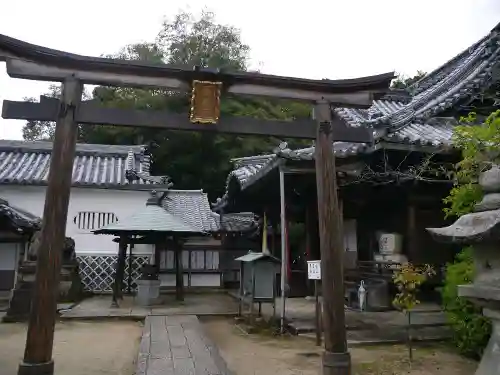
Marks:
<point>314,269</point>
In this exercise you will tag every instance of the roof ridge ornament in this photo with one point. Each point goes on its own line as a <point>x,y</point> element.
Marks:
<point>129,163</point>
<point>154,199</point>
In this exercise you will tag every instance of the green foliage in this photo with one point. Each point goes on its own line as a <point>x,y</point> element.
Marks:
<point>462,198</point>
<point>471,330</point>
<point>186,40</point>
<point>404,82</point>
<point>480,146</point>
<point>408,279</point>
<point>44,130</point>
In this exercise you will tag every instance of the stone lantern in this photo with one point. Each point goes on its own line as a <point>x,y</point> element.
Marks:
<point>482,230</point>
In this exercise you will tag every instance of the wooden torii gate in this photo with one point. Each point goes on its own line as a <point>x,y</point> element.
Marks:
<point>28,61</point>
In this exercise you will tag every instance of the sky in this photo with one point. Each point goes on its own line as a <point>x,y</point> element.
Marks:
<point>311,39</point>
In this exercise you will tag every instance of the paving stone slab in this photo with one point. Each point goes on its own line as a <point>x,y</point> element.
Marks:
<point>177,345</point>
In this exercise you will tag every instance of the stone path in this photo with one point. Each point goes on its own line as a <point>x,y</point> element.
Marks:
<point>177,345</point>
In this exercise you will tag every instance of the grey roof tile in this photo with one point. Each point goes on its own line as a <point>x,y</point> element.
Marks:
<point>238,222</point>
<point>21,220</point>
<point>182,211</point>
<point>193,208</point>
<point>461,77</point>
<point>436,134</point>
<point>149,219</point>
<point>104,166</point>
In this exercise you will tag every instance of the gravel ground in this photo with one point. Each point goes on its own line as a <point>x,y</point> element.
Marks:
<point>80,348</point>
<point>266,355</point>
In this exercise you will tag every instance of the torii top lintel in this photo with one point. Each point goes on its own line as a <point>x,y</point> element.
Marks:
<point>30,61</point>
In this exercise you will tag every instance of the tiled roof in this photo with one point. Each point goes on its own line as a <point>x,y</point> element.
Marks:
<point>100,166</point>
<point>401,118</point>
<point>239,222</point>
<point>463,76</point>
<point>253,257</point>
<point>21,220</point>
<point>193,208</point>
<point>186,211</point>
<point>152,218</point>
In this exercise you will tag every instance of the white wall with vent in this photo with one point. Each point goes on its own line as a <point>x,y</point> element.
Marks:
<point>89,209</point>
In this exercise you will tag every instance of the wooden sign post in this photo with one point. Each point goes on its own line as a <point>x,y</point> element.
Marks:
<point>314,273</point>
<point>28,61</point>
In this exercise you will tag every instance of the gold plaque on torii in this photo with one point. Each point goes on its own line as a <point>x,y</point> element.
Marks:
<point>205,102</point>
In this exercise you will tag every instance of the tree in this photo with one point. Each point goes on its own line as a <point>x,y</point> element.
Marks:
<point>186,40</point>
<point>193,160</point>
<point>480,147</point>
<point>43,130</point>
<point>404,82</point>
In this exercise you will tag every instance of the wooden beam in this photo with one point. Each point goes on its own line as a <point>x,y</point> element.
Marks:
<point>179,272</point>
<point>288,170</point>
<point>120,264</point>
<point>40,338</point>
<point>17,68</point>
<point>40,63</point>
<point>362,99</point>
<point>336,359</point>
<point>92,114</point>
<point>412,237</point>
<point>30,61</point>
<point>159,247</point>
<point>130,264</point>
<point>35,71</point>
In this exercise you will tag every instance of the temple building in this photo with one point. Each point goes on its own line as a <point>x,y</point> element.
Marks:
<point>391,189</point>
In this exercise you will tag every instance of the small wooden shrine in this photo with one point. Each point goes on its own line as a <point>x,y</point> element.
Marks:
<point>152,225</point>
<point>258,271</point>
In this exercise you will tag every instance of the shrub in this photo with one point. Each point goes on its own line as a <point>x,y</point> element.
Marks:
<point>471,330</point>
<point>408,280</point>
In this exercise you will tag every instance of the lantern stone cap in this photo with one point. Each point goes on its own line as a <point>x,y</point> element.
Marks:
<point>471,228</point>
<point>482,225</point>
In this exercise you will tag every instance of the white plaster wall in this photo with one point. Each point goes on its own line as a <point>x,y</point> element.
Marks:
<point>120,202</point>
<point>9,256</point>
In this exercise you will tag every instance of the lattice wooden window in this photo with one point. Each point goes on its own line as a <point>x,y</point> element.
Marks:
<point>91,220</point>
<point>194,260</point>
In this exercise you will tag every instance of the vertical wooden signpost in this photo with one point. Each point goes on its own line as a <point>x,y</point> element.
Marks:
<point>39,63</point>
<point>314,273</point>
